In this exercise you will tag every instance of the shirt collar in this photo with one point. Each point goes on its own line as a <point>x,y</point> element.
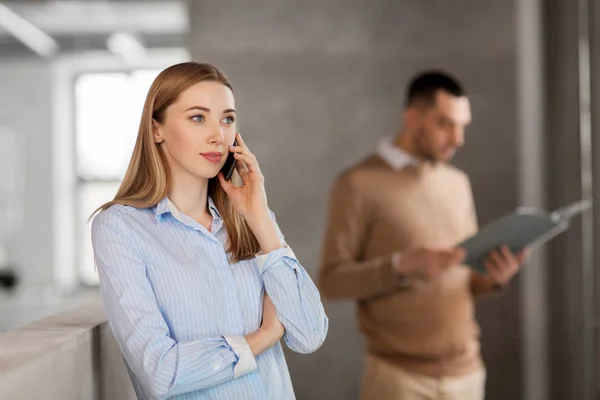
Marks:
<point>166,206</point>
<point>162,208</point>
<point>212,207</point>
<point>394,156</point>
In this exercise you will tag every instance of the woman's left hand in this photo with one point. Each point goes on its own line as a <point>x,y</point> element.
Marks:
<point>249,200</point>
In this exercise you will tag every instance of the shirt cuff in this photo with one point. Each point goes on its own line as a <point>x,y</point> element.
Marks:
<point>265,261</point>
<point>245,360</point>
<point>402,279</point>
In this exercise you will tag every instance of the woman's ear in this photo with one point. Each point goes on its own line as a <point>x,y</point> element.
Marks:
<point>156,132</point>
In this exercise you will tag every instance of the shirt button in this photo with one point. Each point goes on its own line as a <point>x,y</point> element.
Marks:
<point>215,367</point>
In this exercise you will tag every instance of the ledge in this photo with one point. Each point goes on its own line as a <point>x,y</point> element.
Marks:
<point>71,355</point>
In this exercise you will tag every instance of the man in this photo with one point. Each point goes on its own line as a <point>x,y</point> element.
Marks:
<point>394,222</point>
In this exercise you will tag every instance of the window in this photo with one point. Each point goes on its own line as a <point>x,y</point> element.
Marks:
<point>108,108</point>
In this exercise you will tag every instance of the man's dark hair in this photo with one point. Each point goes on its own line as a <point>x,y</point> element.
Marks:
<point>424,86</point>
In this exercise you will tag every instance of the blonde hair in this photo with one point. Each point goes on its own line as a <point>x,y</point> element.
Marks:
<point>147,178</point>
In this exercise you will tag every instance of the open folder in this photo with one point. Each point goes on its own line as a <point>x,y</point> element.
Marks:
<point>525,227</point>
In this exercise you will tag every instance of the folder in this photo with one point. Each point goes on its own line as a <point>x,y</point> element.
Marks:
<point>525,227</point>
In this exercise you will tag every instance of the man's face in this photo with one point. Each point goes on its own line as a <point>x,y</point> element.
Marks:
<point>440,128</point>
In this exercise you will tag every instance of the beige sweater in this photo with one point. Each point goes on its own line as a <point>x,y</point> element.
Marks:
<point>429,327</point>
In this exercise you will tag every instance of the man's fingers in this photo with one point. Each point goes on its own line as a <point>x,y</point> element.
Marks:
<point>493,269</point>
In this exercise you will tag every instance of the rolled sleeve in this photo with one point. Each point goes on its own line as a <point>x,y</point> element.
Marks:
<point>295,297</point>
<point>266,261</point>
<point>246,362</point>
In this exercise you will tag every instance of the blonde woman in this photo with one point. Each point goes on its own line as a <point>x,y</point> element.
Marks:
<point>198,283</point>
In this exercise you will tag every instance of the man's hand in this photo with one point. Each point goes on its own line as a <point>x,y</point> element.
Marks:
<point>502,265</point>
<point>428,263</point>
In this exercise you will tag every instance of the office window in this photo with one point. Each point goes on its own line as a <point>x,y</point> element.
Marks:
<point>108,108</point>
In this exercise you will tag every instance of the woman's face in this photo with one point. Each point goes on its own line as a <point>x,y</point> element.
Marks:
<point>198,129</point>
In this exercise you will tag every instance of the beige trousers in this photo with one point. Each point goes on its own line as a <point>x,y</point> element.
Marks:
<point>384,381</point>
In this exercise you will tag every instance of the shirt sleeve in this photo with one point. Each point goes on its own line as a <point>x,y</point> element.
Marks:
<point>296,298</point>
<point>343,273</point>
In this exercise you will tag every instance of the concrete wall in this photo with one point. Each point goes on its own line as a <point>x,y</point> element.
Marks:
<point>318,83</point>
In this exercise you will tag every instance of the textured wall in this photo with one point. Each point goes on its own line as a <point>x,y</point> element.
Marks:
<point>318,83</point>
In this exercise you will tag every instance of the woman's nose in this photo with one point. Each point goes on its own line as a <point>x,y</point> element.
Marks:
<point>217,136</point>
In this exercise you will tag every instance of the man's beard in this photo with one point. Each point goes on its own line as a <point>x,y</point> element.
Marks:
<point>425,153</point>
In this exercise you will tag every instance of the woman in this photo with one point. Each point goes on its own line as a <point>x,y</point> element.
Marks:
<point>197,281</point>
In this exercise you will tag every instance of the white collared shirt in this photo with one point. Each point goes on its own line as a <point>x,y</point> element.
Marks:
<point>394,156</point>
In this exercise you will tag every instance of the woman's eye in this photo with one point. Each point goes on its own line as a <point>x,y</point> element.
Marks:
<point>198,118</point>
<point>229,120</point>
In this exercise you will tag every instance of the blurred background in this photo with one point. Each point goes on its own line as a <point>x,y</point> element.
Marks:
<point>318,83</point>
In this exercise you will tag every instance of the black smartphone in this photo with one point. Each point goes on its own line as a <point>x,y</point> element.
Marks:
<point>229,165</point>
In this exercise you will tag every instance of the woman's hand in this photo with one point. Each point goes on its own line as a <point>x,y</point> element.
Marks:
<point>270,331</point>
<point>249,200</point>
<point>270,322</point>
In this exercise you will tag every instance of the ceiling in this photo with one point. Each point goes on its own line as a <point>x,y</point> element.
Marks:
<point>86,25</point>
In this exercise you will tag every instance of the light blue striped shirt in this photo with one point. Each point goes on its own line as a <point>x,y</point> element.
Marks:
<point>179,311</point>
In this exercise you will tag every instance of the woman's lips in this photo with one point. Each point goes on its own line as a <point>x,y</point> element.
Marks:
<point>213,157</point>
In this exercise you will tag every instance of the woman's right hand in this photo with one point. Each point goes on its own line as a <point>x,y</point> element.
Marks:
<point>270,332</point>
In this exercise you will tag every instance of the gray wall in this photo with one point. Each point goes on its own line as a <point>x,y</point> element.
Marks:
<point>318,83</point>
<point>25,110</point>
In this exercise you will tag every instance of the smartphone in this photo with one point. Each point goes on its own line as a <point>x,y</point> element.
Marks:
<point>229,165</point>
